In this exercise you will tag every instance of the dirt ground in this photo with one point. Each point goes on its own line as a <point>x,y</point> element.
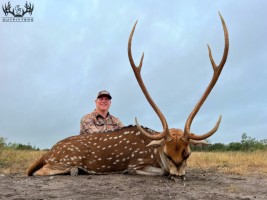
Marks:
<point>198,184</point>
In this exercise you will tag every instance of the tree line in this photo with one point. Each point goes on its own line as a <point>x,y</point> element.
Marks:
<point>16,146</point>
<point>246,144</point>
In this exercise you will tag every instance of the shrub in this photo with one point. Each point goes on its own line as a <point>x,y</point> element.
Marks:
<point>247,144</point>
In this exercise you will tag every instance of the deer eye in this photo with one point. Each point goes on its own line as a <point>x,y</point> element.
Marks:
<point>186,153</point>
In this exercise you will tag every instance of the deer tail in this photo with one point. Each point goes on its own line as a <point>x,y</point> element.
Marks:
<point>35,166</point>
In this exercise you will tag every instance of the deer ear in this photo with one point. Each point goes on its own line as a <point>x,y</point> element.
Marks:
<point>195,142</point>
<point>155,143</point>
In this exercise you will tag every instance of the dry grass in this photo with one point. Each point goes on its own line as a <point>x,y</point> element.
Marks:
<point>17,161</point>
<point>241,163</point>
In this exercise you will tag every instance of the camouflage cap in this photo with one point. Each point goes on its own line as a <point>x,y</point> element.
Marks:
<point>104,93</point>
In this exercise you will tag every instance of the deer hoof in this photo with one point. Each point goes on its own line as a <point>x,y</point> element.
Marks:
<point>74,171</point>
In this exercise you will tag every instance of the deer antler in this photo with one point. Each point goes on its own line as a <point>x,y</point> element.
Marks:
<point>7,9</point>
<point>216,73</point>
<point>137,73</point>
<point>29,8</point>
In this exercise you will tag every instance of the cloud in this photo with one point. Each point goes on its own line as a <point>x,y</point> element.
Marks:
<point>52,69</point>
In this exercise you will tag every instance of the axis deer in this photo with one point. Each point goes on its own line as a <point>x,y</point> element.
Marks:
<point>132,149</point>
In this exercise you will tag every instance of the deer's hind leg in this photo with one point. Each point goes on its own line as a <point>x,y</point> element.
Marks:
<point>53,169</point>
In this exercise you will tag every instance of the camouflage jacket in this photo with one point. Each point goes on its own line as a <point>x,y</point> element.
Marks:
<point>94,122</point>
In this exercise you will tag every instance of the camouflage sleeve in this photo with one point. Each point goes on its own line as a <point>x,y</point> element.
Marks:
<point>87,125</point>
<point>118,122</point>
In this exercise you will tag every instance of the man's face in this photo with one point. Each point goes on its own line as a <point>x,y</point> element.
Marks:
<point>102,103</point>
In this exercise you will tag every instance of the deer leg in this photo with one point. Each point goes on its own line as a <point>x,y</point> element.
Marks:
<point>55,169</point>
<point>74,171</point>
<point>148,170</point>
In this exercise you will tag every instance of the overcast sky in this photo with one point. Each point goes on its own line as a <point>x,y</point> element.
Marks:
<point>52,69</point>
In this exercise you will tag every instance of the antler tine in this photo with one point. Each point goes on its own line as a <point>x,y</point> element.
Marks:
<point>216,73</point>
<point>137,73</point>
